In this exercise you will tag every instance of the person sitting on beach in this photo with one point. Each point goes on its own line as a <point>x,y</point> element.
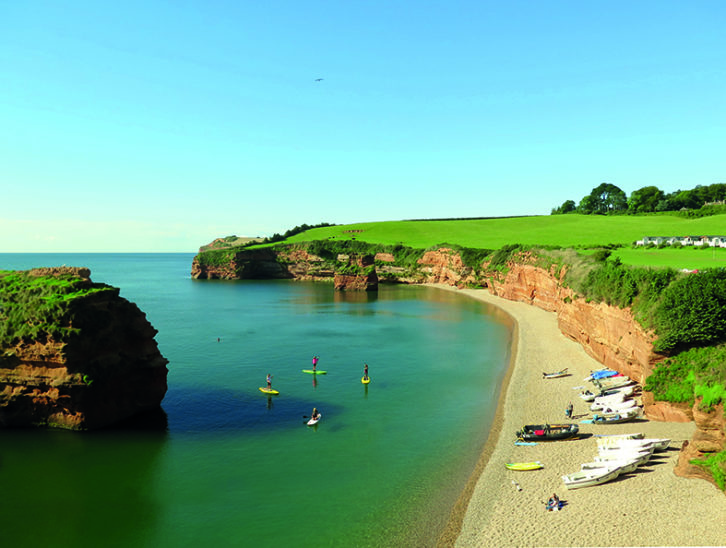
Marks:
<point>568,411</point>
<point>553,503</point>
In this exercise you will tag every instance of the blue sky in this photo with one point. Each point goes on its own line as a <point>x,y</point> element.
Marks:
<point>158,126</point>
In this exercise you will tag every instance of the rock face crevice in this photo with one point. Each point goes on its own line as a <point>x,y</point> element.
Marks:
<point>110,370</point>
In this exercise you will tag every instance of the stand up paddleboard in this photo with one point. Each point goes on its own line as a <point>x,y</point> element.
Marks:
<point>364,380</point>
<point>314,372</point>
<point>313,422</point>
<point>269,391</point>
<point>523,466</point>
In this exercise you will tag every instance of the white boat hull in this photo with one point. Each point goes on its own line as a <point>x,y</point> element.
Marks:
<point>589,478</point>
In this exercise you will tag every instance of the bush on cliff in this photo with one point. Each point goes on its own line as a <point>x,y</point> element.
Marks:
<point>692,311</point>
<point>217,257</point>
<point>617,285</point>
<point>715,464</point>
<point>695,372</point>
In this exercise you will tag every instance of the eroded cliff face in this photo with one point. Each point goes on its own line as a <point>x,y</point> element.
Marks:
<point>444,266</point>
<point>262,263</point>
<point>709,437</point>
<point>110,370</point>
<point>363,277</point>
<point>609,334</point>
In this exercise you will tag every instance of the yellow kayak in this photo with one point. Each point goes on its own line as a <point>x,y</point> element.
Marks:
<point>522,466</point>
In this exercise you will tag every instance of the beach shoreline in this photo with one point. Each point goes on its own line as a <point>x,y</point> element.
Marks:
<point>651,507</point>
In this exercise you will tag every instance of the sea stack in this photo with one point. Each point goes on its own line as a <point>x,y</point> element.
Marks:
<point>73,353</point>
<point>359,274</point>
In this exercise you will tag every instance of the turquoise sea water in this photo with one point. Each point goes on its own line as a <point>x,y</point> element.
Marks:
<point>230,466</point>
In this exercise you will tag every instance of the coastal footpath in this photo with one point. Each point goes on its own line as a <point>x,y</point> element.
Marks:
<point>73,353</point>
<point>609,335</point>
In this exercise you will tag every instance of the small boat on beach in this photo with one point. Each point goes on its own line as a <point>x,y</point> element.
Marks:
<point>614,418</point>
<point>613,406</point>
<point>618,453</point>
<point>587,395</point>
<point>524,466</point>
<point>630,436</point>
<point>601,374</point>
<point>639,458</point>
<point>657,444</point>
<point>588,478</point>
<point>625,466</point>
<point>613,382</point>
<point>556,374</point>
<point>548,432</point>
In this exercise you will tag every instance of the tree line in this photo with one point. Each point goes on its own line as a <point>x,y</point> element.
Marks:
<point>607,198</point>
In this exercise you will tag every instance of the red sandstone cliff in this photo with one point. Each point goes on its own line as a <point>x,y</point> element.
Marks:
<point>363,278</point>
<point>109,371</point>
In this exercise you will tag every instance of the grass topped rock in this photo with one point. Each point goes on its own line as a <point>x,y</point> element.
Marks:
<point>73,353</point>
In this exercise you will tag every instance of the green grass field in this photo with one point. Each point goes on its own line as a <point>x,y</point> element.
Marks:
<point>690,258</point>
<point>579,231</point>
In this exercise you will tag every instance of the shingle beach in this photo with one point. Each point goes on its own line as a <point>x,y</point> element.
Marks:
<point>650,507</point>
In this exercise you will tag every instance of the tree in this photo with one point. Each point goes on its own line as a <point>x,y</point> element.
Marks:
<point>605,198</point>
<point>587,205</point>
<point>645,200</point>
<point>568,206</point>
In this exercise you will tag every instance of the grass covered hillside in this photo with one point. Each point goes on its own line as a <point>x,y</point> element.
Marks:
<point>577,231</point>
<point>551,230</point>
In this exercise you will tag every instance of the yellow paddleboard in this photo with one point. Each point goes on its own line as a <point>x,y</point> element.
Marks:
<point>522,466</point>
<point>269,391</point>
<point>364,380</point>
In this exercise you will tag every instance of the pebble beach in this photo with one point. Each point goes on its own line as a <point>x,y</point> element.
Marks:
<point>649,507</point>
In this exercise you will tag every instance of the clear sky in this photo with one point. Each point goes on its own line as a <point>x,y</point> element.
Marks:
<point>160,125</point>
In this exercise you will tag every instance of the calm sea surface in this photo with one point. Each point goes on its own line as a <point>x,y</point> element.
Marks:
<point>230,466</point>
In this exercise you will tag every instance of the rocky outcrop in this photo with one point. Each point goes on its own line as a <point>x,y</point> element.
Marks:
<point>444,266</point>
<point>109,369</point>
<point>710,437</point>
<point>358,275</point>
<point>256,264</point>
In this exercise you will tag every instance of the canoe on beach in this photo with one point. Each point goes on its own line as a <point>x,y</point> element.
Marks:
<point>556,374</point>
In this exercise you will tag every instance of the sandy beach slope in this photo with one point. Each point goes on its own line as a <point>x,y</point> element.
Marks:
<point>651,507</point>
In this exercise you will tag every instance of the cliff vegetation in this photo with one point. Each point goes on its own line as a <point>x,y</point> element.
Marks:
<point>35,306</point>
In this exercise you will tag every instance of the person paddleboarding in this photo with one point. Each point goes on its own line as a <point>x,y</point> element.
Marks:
<point>315,363</point>
<point>365,372</point>
<point>269,381</point>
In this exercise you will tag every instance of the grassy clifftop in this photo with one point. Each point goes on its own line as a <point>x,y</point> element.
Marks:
<point>34,305</point>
